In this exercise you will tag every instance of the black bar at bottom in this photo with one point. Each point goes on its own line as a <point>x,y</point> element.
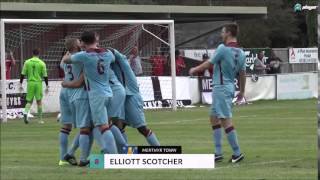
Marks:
<point>159,150</point>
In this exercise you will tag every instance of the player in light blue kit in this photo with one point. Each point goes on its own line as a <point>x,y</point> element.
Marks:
<point>116,109</point>
<point>79,104</point>
<point>96,63</point>
<point>228,61</point>
<point>134,115</point>
<point>67,112</point>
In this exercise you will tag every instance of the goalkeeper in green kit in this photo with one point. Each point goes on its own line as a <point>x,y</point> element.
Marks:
<point>35,70</point>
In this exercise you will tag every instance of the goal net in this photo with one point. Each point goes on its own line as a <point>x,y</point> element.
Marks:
<point>148,44</point>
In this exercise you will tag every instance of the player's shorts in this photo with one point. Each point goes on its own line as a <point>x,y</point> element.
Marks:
<point>134,115</point>
<point>34,90</point>
<point>222,97</point>
<point>98,107</point>
<point>67,115</point>
<point>82,113</point>
<point>116,105</point>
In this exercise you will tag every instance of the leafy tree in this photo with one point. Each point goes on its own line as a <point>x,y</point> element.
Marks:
<point>282,28</point>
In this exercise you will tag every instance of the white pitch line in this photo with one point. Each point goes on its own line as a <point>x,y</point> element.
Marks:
<point>207,119</point>
<point>176,122</point>
<point>264,117</point>
<point>252,116</point>
<point>258,163</point>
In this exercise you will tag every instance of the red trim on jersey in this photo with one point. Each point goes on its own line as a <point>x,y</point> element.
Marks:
<point>232,44</point>
<point>97,50</point>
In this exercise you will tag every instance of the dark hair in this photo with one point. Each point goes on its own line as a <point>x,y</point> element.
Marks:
<point>88,37</point>
<point>205,56</point>
<point>177,52</point>
<point>261,52</point>
<point>232,28</point>
<point>36,52</point>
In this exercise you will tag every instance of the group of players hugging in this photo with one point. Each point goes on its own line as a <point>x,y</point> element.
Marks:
<point>100,96</point>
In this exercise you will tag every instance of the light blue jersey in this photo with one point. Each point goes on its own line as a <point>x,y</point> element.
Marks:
<point>66,69</point>
<point>67,77</point>
<point>67,114</point>
<point>73,72</point>
<point>116,105</point>
<point>64,91</point>
<point>114,81</point>
<point>227,61</point>
<point>96,64</point>
<point>74,97</point>
<point>134,115</point>
<point>126,76</point>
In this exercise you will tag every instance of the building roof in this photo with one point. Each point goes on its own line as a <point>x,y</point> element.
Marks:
<point>175,9</point>
<point>116,11</point>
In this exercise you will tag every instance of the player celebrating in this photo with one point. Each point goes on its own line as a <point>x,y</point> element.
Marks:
<point>116,109</point>
<point>35,70</point>
<point>228,61</point>
<point>134,115</point>
<point>96,63</point>
<point>66,118</point>
<point>73,106</point>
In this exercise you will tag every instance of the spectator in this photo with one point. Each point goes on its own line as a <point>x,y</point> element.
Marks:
<point>259,66</point>
<point>207,72</point>
<point>10,62</point>
<point>167,66</point>
<point>158,62</point>
<point>135,61</point>
<point>180,65</point>
<point>274,63</point>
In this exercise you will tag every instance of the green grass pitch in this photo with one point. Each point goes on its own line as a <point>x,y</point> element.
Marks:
<point>278,138</point>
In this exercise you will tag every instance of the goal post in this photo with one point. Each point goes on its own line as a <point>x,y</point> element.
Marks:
<point>132,33</point>
<point>3,72</point>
